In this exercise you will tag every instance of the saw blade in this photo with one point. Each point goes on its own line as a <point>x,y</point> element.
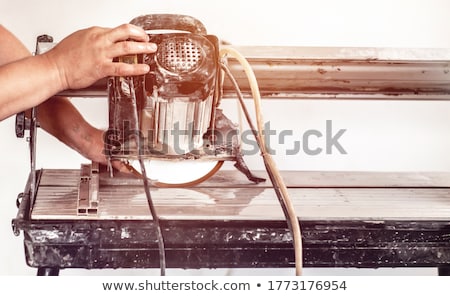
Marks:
<point>179,173</point>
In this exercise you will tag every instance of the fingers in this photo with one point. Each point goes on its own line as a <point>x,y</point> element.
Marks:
<point>127,32</point>
<point>128,39</point>
<point>87,55</point>
<point>124,167</point>
<point>131,47</point>
<point>124,69</point>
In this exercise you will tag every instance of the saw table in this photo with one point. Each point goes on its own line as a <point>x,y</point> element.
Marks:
<point>348,219</point>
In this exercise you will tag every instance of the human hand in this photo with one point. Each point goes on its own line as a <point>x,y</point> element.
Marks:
<point>86,56</point>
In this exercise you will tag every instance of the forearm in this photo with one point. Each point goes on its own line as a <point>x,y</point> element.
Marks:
<point>60,118</point>
<point>26,83</point>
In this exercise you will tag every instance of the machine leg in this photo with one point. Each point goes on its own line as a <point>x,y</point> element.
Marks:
<point>48,271</point>
<point>444,270</point>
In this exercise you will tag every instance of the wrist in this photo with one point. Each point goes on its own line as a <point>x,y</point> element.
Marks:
<point>94,148</point>
<point>59,76</point>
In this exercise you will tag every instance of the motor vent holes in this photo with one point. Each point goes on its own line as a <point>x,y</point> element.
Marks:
<point>180,55</point>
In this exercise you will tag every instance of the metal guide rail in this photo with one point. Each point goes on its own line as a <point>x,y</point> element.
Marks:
<point>335,73</point>
<point>365,220</point>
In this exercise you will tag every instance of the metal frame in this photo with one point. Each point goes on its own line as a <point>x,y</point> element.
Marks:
<point>282,72</point>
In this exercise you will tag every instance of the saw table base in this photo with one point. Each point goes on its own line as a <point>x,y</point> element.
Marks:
<point>348,219</point>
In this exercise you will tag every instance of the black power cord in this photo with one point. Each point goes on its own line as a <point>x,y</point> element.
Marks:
<point>255,134</point>
<point>160,237</point>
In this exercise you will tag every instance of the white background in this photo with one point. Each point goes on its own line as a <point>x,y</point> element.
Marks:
<point>380,136</point>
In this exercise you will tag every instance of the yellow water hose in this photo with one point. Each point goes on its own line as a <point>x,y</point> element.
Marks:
<point>270,164</point>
